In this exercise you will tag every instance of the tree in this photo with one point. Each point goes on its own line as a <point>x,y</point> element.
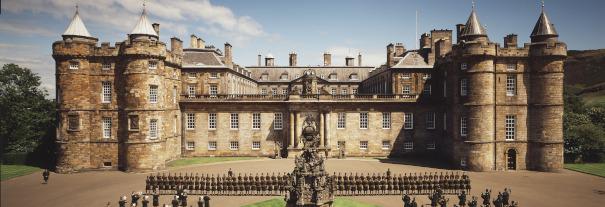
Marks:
<point>26,116</point>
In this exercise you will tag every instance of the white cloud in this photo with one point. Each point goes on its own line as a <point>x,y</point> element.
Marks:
<point>23,29</point>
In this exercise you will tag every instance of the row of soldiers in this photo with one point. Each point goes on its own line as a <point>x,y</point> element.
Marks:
<point>437,198</point>
<point>177,201</point>
<point>415,184</point>
<point>277,184</point>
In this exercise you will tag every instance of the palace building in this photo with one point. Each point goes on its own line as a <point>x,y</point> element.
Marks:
<point>479,104</point>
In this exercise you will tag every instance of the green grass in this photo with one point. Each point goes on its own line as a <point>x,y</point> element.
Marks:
<point>597,169</point>
<point>594,98</point>
<point>205,160</point>
<point>11,171</point>
<point>338,202</point>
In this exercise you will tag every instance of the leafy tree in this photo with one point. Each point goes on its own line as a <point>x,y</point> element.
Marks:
<point>586,143</point>
<point>26,116</point>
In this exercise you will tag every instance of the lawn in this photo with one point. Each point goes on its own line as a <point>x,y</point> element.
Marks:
<point>205,160</point>
<point>338,202</point>
<point>597,169</point>
<point>11,171</point>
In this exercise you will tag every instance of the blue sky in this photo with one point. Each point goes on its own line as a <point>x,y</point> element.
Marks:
<point>310,27</point>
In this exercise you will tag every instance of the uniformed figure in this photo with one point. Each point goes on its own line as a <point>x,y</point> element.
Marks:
<point>145,201</point>
<point>473,202</point>
<point>230,173</point>
<point>122,202</point>
<point>156,198</point>
<point>506,196</point>
<point>134,198</point>
<point>206,201</point>
<point>200,202</point>
<point>175,201</point>
<point>45,175</point>
<point>486,196</point>
<point>462,198</point>
<point>407,201</point>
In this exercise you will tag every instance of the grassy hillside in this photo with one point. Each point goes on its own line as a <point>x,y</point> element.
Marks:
<point>585,74</point>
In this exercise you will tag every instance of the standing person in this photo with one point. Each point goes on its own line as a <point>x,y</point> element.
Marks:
<point>45,175</point>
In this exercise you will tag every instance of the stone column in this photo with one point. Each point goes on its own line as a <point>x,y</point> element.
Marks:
<point>321,129</point>
<point>297,131</point>
<point>292,125</point>
<point>327,129</point>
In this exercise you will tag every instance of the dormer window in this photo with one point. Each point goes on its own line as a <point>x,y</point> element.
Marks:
<point>406,76</point>
<point>191,75</point>
<point>214,75</point>
<point>511,66</point>
<point>152,64</point>
<point>353,76</point>
<point>284,76</point>
<point>463,66</point>
<point>264,76</point>
<point>333,76</point>
<point>74,65</point>
<point>106,66</point>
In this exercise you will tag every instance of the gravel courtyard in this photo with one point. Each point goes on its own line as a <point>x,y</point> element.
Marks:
<point>566,188</point>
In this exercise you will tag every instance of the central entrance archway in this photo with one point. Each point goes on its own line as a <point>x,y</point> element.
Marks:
<point>511,159</point>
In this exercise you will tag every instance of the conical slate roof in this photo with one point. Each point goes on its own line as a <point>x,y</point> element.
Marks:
<point>76,27</point>
<point>473,27</point>
<point>143,27</point>
<point>543,26</point>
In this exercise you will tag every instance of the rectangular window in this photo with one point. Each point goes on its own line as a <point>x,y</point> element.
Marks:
<point>234,121</point>
<point>340,144</point>
<point>363,120</point>
<point>174,94</point>
<point>333,92</point>
<point>106,66</point>
<point>191,75</point>
<point>511,66</point>
<point>191,91</point>
<point>256,145</point>
<point>212,145</point>
<point>214,75</point>
<point>234,145</point>
<point>342,120</point>
<point>386,144</point>
<point>463,66</point>
<point>426,76</point>
<point>511,85</point>
<point>284,91</point>
<point>363,145</point>
<point>430,120</point>
<point>463,87</point>
<point>213,90</point>
<point>427,89</point>
<point>263,91</point>
<point>74,65</point>
<point>278,121</point>
<point>386,120</point>
<point>332,77</point>
<point>408,145</point>
<point>406,75</point>
<point>510,127</point>
<point>106,92</point>
<point>73,122</point>
<point>153,93</point>
<point>354,91</point>
<point>255,120</point>
<point>463,162</point>
<point>430,146</point>
<point>274,91</point>
<point>463,129</point>
<point>153,64</point>
<point>174,124</point>
<point>408,121</point>
<point>407,89</point>
<point>343,91</point>
<point>153,128</point>
<point>212,121</point>
<point>106,127</point>
<point>190,121</point>
<point>190,146</point>
<point>134,122</point>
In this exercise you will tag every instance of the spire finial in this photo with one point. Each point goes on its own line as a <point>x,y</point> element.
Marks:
<point>77,8</point>
<point>542,1</point>
<point>144,6</point>
<point>474,3</point>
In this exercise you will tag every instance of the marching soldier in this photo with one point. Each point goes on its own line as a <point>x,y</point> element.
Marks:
<point>156,198</point>
<point>45,176</point>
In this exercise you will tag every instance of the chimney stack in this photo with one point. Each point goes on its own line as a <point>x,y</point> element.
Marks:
<point>293,59</point>
<point>510,41</point>
<point>156,27</point>
<point>269,60</point>
<point>459,28</point>
<point>193,41</point>
<point>425,41</point>
<point>390,54</point>
<point>176,45</point>
<point>327,59</point>
<point>259,59</point>
<point>399,49</point>
<point>349,60</point>
<point>359,59</point>
<point>201,43</point>
<point>228,55</point>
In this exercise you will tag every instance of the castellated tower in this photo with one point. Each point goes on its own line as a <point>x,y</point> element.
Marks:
<point>75,104</point>
<point>149,99</point>
<point>117,106</point>
<point>546,56</point>
<point>476,103</point>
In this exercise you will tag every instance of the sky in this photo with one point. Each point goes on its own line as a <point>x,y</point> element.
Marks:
<point>29,27</point>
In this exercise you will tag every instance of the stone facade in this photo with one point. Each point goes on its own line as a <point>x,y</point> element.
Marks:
<point>137,105</point>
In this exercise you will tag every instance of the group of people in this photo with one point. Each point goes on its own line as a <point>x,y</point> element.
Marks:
<point>437,198</point>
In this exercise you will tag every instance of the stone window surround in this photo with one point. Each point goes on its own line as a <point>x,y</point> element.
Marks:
<point>430,120</point>
<point>463,126</point>
<point>191,90</point>
<point>386,144</point>
<point>213,74</point>
<point>363,145</point>
<point>73,121</point>
<point>256,121</point>
<point>463,87</point>
<point>190,121</point>
<point>212,145</point>
<point>106,127</point>
<point>428,89</point>
<point>190,145</point>
<point>133,122</point>
<point>408,145</point>
<point>278,121</point>
<point>153,93</point>
<point>74,64</point>
<point>256,145</point>
<point>511,85</point>
<point>408,121</point>
<point>106,92</point>
<point>152,64</point>
<point>363,120</point>
<point>234,145</point>
<point>386,120</point>
<point>106,66</point>
<point>511,66</point>
<point>342,120</point>
<point>154,128</point>
<point>212,119</point>
<point>510,127</point>
<point>406,89</point>
<point>234,121</point>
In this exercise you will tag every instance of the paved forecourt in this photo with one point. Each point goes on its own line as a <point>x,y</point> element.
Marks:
<point>567,188</point>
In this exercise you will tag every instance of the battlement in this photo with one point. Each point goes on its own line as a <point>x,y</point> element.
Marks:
<point>477,48</point>
<point>541,49</point>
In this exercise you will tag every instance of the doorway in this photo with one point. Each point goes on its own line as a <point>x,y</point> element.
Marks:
<point>511,159</point>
